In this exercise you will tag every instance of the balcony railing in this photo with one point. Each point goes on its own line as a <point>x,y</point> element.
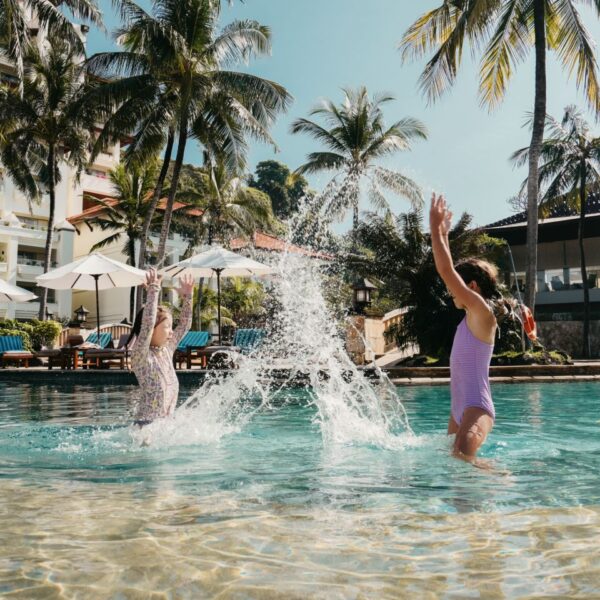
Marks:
<point>558,280</point>
<point>34,262</point>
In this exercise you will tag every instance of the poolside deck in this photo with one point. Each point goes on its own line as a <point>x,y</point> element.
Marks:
<point>579,371</point>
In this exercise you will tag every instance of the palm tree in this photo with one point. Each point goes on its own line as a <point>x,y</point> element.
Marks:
<point>21,21</point>
<point>396,252</point>
<point>570,168</point>
<point>356,137</point>
<point>133,188</point>
<point>48,125</point>
<point>230,208</point>
<point>176,85</point>
<point>507,29</point>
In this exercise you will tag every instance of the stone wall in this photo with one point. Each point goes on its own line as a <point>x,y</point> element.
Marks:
<point>568,336</point>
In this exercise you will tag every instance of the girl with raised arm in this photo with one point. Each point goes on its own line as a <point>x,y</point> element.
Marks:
<point>152,354</point>
<point>472,285</point>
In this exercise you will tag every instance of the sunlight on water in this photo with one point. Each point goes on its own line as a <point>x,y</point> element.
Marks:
<point>303,337</point>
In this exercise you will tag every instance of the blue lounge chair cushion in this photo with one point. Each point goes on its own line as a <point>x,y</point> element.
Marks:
<point>105,339</point>
<point>193,339</point>
<point>248,339</point>
<point>11,343</point>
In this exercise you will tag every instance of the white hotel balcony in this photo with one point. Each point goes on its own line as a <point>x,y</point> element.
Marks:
<point>96,181</point>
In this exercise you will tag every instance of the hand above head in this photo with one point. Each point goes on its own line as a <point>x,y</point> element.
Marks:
<point>440,217</point>
<point>186,286</point>
<point>153,278</point>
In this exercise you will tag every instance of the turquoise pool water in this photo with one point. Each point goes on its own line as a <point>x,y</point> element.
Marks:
<point>273,511</point>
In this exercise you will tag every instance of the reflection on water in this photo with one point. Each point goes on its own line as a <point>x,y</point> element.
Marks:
<point>81,540</point>
<point>272,511</point>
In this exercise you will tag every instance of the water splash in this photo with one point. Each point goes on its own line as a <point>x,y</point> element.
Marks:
<point>304,346</point>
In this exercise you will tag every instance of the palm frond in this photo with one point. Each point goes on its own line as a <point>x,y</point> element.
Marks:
<point>322,161</point>
<point>399,184</point>
<point>508,47</point>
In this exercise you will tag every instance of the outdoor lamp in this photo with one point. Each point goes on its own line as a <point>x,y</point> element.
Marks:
<point>362,289</point>
<point>81,314</point>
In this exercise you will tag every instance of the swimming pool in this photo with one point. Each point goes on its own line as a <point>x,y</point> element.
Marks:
<point>271,511</point>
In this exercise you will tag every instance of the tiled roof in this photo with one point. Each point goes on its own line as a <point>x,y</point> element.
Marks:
<point>558,212</point>
<point>264,241</point>
<point>260,240</point>
<point>96,210</point>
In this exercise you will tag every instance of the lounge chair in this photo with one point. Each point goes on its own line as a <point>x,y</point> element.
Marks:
<point>247,340</point>
<point>97,356</point>
<point>190,348</point>
<point>105,339</point>
<point>11,349</point>
<point>223,357</point>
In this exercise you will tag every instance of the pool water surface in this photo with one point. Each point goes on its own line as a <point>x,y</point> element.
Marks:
<point>271,510</point>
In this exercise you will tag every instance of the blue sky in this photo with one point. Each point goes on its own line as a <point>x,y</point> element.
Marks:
<point>321,46</point>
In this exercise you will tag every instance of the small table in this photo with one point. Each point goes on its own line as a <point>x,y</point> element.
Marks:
<point>70,357</point>
<point>17,356</point>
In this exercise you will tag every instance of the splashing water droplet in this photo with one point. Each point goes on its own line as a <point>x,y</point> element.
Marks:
<point>303,346</point>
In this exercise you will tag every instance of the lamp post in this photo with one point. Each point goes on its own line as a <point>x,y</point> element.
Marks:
<point>81,314</point>
<point>361,295</point>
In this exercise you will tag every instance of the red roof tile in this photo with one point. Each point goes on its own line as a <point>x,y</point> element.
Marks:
<point>264,241</point>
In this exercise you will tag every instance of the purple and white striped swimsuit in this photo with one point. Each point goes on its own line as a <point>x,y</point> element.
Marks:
<point>469,373</point>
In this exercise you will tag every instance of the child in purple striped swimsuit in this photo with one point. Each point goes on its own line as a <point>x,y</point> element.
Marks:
<point>472,284</point>
<point>152,354</point>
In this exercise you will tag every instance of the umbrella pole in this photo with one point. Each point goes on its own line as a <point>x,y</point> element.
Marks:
<point>97,307</point>
<point>218,271</point>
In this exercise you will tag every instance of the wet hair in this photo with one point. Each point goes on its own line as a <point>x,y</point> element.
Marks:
<point>137,323</point>
<point>483,273</point>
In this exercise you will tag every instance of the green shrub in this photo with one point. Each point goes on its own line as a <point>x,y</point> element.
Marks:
<point>26,338</point>
<point>44,333</point>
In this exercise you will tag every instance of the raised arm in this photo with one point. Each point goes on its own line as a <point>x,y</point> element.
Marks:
<point>185,291</point>
<point>440,220</point>
<point>142,343</point>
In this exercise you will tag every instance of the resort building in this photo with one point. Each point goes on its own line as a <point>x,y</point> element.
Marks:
<point>23,225</point>
<point>559,295</point>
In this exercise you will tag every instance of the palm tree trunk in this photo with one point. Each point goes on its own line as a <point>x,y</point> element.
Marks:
<point>155,199</point>
<point>584,278</point>
<point>50,232</point>
<point>181,142</point>
<point>152,209</point>
<point>131,252</point>
<point>537,135</point>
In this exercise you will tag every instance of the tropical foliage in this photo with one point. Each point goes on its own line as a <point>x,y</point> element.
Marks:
<point>396,253</point>
<point>124,216</point>
<point>569,170</point>
<point>284,188</point>
<point>356,138</point>
<point>244,298</point>
<point>19,30</point>
<point>173,82</point>
<point>49,124</point>
<point>230,208</point>
<point>506,30</point>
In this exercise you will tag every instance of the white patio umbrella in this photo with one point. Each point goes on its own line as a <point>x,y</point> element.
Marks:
<point>12,293</point>
<point>221,262</point>
<point>93,272</point>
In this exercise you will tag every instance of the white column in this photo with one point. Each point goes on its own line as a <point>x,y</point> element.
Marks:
<point>65,238</point>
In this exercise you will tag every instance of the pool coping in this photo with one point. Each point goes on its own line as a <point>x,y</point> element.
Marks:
<point>580,371</point>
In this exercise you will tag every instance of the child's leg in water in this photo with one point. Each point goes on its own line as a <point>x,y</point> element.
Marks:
<point>474,428</point>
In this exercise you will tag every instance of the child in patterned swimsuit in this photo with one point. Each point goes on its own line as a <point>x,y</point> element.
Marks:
<point>152,354</point>
<point>472,284</point>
